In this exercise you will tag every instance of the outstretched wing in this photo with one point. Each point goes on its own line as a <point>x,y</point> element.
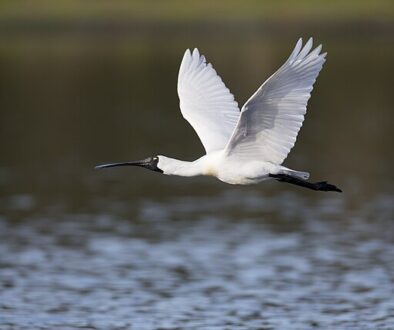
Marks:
<point>205,102</point>
<point>270,120</point>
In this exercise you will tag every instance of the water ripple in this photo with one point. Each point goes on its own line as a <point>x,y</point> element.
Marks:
<point>193,263</point>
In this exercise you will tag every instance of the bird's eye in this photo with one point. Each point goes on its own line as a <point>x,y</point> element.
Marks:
<point>155,158</point>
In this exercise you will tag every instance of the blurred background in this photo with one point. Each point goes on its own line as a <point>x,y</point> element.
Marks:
<point>88,82</point>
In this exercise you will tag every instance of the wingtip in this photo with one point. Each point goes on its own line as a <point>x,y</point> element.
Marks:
<point>296,50</point>
<point>187,51</point>
<point>305,49</point>
<point>318,49</point>
<point>196,53</point>
<point>197,57</point>
<point>298,46</point>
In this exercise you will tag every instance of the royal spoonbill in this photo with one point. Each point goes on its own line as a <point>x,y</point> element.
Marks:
<point>247,146</point>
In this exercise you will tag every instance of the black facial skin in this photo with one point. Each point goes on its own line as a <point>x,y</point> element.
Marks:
<point>148,163</point>
<point>153,161</point>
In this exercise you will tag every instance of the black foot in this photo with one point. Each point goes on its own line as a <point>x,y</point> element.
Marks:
<point>321,186</point>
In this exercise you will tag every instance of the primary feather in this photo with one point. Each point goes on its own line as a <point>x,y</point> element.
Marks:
<point>270,120</point>
<point>205,102</point>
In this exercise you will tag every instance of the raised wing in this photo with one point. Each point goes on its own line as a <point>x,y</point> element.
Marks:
<point>205,102</point>
<point>270,120</point>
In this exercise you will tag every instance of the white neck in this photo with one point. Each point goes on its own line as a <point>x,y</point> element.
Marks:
<point>172,166</point>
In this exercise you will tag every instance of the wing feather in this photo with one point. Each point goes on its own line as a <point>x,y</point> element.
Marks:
<point>271,119</point>
<point>205,102</point>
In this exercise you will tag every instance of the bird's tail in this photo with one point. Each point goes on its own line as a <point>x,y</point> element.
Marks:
<point>322,186</point>
<point>297,174</point>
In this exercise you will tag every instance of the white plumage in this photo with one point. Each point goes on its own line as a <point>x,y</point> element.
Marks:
<point>247,146</point>
<point>205,102</point>
<point>270,120</point>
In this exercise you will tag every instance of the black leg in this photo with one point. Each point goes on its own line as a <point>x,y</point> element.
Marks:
<point>322,186</point>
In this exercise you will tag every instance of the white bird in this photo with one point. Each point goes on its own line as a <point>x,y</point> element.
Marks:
<point>247,146</point>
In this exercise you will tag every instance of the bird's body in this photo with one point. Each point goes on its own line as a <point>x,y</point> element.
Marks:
<point>247,146</point>
<point>217,165</point>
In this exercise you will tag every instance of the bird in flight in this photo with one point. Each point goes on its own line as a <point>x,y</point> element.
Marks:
<point>247,146</point>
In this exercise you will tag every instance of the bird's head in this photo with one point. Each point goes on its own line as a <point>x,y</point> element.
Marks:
<point>150,163</point>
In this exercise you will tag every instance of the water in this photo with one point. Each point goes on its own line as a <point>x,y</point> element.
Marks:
<point>129,249</point>
<point>239,260</point>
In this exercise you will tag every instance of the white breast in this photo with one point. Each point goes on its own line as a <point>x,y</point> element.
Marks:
<point>249,173</point>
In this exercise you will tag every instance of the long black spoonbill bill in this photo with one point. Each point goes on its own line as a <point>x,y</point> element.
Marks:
<point>247,146</point>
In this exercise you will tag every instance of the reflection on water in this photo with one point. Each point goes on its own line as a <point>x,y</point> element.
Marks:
<point>121,248</point>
